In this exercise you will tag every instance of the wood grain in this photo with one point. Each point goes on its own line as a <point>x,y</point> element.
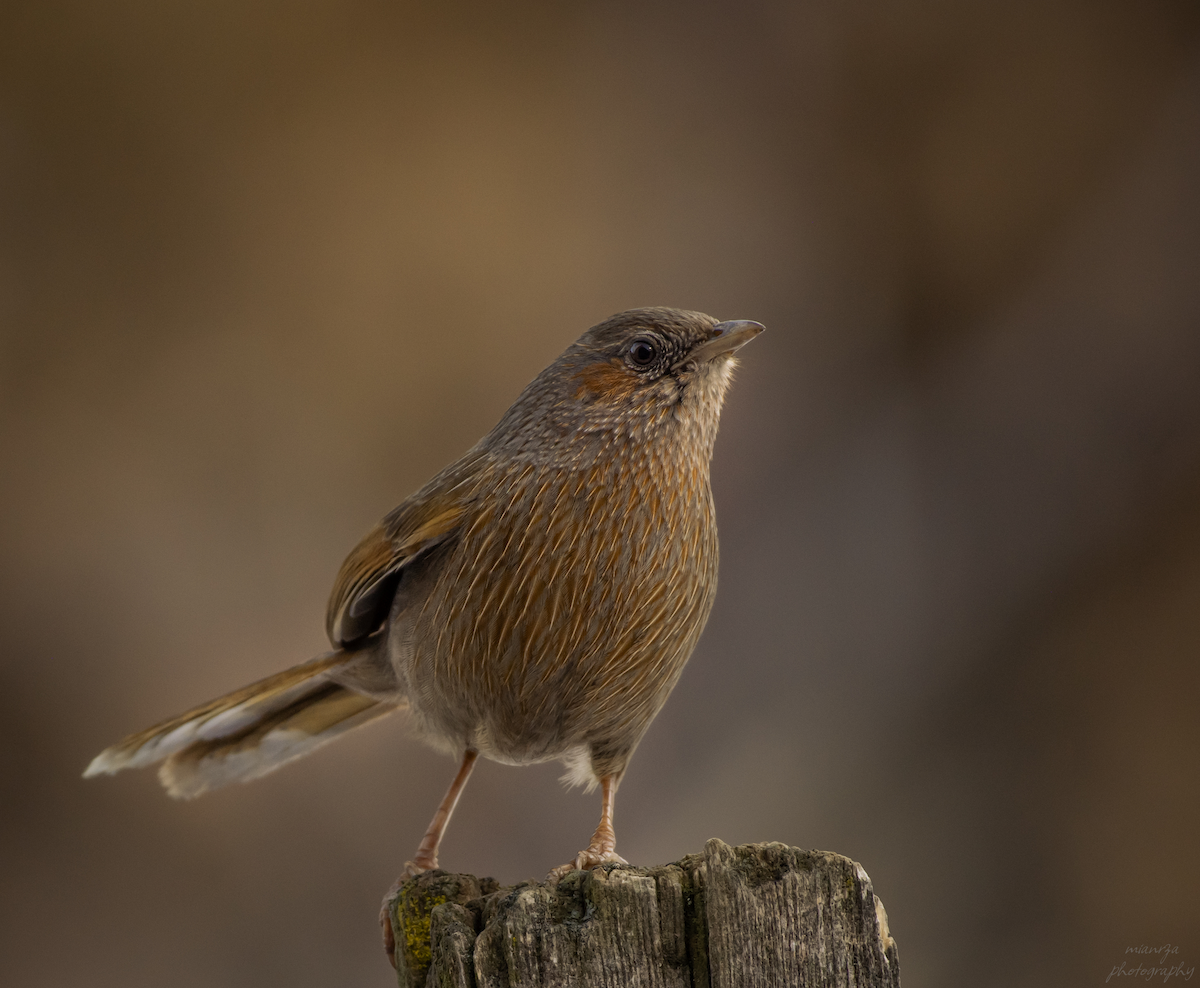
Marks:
<point>759,915</point>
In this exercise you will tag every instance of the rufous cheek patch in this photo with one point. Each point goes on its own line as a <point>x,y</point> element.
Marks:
<point>610,381</point>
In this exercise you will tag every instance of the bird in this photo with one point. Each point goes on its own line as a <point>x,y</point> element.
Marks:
<point>535,601</point>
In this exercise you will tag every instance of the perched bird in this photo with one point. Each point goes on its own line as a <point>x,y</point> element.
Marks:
<point>536,600</point>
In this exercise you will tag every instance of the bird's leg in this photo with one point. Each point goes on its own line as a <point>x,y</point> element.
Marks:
<point>427,853</point>
<point>603,848</point>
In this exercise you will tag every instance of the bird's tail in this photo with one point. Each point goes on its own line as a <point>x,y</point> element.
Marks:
<point>248,733</point>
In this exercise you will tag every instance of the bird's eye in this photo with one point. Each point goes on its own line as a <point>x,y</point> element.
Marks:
<point>643,352</point>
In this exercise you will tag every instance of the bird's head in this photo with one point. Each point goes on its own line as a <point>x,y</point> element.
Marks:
<point>635,374</point>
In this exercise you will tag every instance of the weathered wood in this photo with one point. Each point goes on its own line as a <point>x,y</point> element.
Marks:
<point>755,916</point>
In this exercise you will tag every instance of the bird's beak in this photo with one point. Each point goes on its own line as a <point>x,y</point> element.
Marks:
<point>724,337</point>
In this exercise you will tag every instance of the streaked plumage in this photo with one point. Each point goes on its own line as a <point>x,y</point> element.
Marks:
<point>536,600</point>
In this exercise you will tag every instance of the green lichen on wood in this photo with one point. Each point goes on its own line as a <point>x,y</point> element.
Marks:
<point>414,913</point>
<point>413,921</point>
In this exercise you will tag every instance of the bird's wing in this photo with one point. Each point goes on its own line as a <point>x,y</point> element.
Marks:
<point>363,591</point>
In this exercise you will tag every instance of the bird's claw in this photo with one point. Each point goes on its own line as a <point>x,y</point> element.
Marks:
<point>586,860</point>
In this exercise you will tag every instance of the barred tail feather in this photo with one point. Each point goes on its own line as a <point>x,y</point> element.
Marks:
<point>248,733</point>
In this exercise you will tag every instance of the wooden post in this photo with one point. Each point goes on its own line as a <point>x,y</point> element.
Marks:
<point>755,916</point>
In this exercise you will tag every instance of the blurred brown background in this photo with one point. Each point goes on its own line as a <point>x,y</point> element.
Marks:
<point>265,267</point>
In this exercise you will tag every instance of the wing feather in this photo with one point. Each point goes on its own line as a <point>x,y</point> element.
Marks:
<point>362,592</point>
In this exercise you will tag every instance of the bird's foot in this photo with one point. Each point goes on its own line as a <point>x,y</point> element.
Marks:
<point>411,870</point>
<point>594,856</point>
